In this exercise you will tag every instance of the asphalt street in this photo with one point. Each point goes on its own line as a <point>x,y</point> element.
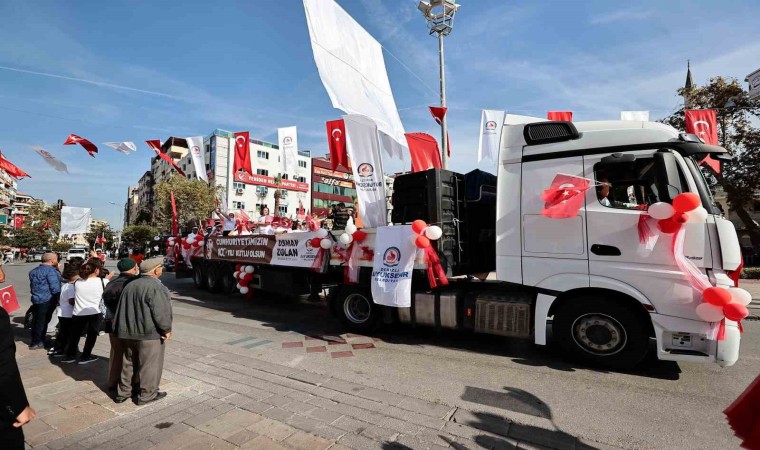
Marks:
<point>661,405</point>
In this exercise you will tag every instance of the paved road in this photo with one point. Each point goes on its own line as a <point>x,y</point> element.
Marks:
<point>663,405</point>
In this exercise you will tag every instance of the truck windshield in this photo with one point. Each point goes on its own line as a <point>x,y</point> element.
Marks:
<point>708,202</point>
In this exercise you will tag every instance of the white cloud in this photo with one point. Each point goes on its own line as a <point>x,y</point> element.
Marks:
<point>624,15</point>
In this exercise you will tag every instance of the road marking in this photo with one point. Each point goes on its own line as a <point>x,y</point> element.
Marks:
<point>318,349</point>
<point>362,346</point>
<point>292,344</point>
<point>341,354</point>
<point>237,341</point>
<point>257,344</point>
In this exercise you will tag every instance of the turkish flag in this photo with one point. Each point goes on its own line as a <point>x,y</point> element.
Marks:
<point>18,222</point>
<point>438,113</point>
<point>424,151</point>
<point>562,116</point>
<point>336,138</point>
<point>704,123</point>
<point>564,198</point>
<point>8,299</point>
<point>73,139</point>
<point>242,153</point>
<point>156,146</point>
<point>11,168</point>
<point>175,224</point>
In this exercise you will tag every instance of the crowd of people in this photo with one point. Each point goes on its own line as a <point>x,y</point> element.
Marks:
<point>133,308</point>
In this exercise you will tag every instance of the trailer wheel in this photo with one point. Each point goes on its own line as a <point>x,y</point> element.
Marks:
<point>602,332</point>
<point>199,280</point>
<point>212,278</point>
<point>356,310</point>
<point>226,280</point>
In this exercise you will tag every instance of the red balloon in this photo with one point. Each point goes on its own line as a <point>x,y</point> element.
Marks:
<point>716,296</point>
<point>199,237</point>
<point>686,202</point>
<point>735,311</point>
<point>196,243</point>
<point>668,226</point>
<point>359,236</point>
<point>185,245</point>
<point>238,267</point>
<point>680,217</point>
<point>245,276</point>
<point>418,226</point>
<point>422,242</point>
<point>315,242</point>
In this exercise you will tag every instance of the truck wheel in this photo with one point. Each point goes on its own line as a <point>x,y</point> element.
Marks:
<point>198,279</point>
<point>356,309</point>
<point>226,280</point>
<point>601,331</point>
<point>212,278</point>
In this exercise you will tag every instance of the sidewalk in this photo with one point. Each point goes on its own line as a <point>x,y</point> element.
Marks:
<point>753,286</point>
<point>222,398</point>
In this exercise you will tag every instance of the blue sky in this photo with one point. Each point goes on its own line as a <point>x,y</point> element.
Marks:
<point>137,70</point>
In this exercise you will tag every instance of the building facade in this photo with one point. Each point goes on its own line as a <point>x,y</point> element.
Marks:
<point>7,196</point>
<point>330,187</point>
<point>132,207</point>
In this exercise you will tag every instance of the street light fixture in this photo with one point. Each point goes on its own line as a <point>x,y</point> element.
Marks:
<point>440,18</point>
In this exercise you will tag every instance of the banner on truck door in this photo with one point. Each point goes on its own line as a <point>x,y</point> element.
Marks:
<point>393,265</point>
<point>287,249</point>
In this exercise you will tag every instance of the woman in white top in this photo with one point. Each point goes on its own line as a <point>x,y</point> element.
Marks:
<point>88,292</point>
<point>265,222</point>
<point>66,309</point>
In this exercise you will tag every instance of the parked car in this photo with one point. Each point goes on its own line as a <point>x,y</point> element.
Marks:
<point>34,256</point>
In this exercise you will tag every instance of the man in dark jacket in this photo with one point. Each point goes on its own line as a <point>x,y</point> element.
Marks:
<point>45,285</point>
<point>128,271</point>
<point>14,407</point>
<point>143,322</point>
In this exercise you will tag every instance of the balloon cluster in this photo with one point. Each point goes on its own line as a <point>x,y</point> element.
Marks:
<point>351,234</point>
<point>244,275</point>
<point>186,242</point>
<point>423,233</point>
<point>322,241</point>
<point>686,208</point>
<point>718,303</point>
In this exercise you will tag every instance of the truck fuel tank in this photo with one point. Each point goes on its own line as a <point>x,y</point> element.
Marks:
<point>437,309</point>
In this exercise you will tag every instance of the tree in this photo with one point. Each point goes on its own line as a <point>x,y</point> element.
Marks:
<point>138,235</point>
<point>277,196</point>
<point>41,214</point>
<point>61,246</point>
<point>195,200</point>
<point>740,178</point>
<point>100,230</point>
<point>30,237</point>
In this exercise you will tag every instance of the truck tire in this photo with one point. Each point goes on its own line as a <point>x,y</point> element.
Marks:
<point>226,280</point>
<point>199,278</point>
<point>213,278</point>
<point>356,309</point>
<point>601,331</point>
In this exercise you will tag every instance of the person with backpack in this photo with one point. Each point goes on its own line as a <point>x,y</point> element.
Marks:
<point>88,312</point>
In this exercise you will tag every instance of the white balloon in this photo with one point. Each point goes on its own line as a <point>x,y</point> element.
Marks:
<point>325,243</point>
<point>235,274</point>
<point>345,238</point>
<point>322,233</point>
<point>190,240</point>
<point>238,286</point>
<point>244,290</point>
<point>709,313</point>
<point>740,295</point>
<point>698,215</point>
<point>433,232</point>
<point>351,228</point>
<point>661,210</point>
<point>171,240</point>
<point>248,269</point>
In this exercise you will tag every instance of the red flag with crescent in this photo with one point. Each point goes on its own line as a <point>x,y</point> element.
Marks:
<point>11,168</point>
<point>704,123</point>
<point>242,153</point>
<point>156,146</point>
<point>73,139</point>
<point>336,139</point>
<point>438,113</point>
<point>564,198</point>
<point>424,151</point>
<point>8,299</point>
<point>562,116</point>
<point>18,222</point>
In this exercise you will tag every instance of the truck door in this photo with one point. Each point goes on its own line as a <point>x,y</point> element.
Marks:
<point>626,184</point>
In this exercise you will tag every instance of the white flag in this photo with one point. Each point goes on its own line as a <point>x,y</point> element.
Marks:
<point>74,220</point>
<point>54,162</point>
<point>363,144</point>
<point>491,124</point>
<point>288,140</point>
<point>392,266</point>
<point>122,147</point>
<point>198,155</point>
<point>638,116</point>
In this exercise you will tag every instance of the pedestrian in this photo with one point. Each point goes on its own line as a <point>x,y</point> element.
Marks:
<point>45,285</point>
<point>128,271</point>
<point>143,322</point>
<point>87,314</point>
<point>66,308</point>
<point>14,407</point>
<point>340,217</point>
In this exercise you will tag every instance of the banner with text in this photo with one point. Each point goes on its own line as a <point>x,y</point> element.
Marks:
<point>364,153</point>
<point>491,124</point>
<point>392,267</point>
<point>198,154</point>
<point>288,140</point>
<point>287,249</point>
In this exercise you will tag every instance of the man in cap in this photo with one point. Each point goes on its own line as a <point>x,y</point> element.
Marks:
<point>128,271</point>
<point>143,323</point>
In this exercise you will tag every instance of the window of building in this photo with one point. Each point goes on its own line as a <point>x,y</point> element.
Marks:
<point>284,176</point>
<point>238,205</point>
<point>259,206</point>
<point>301,179</point>
<point>302,164</point>
<point>236,185</point>
<point>262,172</point>
<point>283,209</point>
<point>262,154</point>
<point>632,185</point>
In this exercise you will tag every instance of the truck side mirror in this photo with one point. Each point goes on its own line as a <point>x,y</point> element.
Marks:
<point>618,158</point>
<point>666,174</point>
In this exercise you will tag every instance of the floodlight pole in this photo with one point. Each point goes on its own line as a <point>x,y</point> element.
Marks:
<point>444,128</point>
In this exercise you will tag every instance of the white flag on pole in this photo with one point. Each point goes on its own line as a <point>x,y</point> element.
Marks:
<point>288,140</point>
<point>638,116</point>
<point>75,220</point>
<point>392,266</point>
<point>198,155</point>
<point>122,147</point>
<point>363,144</point>
<point>54,162</point>
<point>491,124</point>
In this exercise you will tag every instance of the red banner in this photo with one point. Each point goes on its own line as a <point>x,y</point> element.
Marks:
<point>336,138</point>
<point>18,222</point>
<point>424,151</point>
<point>8,299</point>
<point>11,168</point>
<point>438,113</point>
<point>242,152</point>
<point>156,146</point>
<point>262,180</point>
<point>562,116</point>
<point>704,123</point>
<point>175,223</point>
<point>73,139</point>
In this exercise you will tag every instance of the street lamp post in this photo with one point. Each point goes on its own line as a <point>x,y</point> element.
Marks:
<point>440,18</point>
<point>121,218</point>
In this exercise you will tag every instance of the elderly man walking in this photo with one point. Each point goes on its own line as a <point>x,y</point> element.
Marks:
<point>128,272</point>
<point>143,323</point>
<point>45,285</point>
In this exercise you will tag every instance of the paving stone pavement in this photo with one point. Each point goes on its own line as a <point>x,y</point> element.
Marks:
<point>220,396</point>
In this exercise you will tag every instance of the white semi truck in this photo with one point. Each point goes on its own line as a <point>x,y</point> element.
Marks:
<point>586,281</point>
